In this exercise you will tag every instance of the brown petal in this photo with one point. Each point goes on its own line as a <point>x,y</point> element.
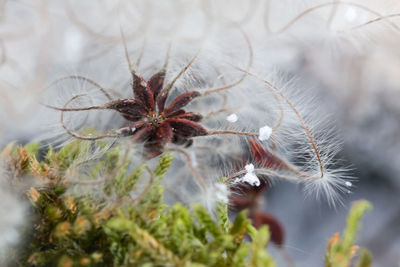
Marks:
<point>190,116</point>
<point>181,101</point>
<point>186,128</point>
<point>161,98</point>
<point>129,109</point>
<point>264,157</point>
<point>142,93</point>
<point>156,82</point>
<point>164,133</point>
<point>151,151</point>
<point>176,113</point>
<point>142,132</point>
<point>179,140</point>
<point>275,227</point>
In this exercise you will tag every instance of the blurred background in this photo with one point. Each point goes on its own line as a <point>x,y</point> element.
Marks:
<point>345,53</point>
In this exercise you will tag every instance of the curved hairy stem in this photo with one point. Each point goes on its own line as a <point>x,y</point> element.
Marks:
<point>216,132</point>
<point>141,53</point>
<point>222,110</point>
<point>309,10</point>
<point>72,133</point>
<point>292,106</point>
<point>332,14</point>
<point>128,59</point>
<point>249,64</point>
<point>165,66</point>
<point>64,109</point>
<point>190,163</point>
<point>183,70</point>
<point>79,77</point>
<point>375,20</point>
<point>264,171</point>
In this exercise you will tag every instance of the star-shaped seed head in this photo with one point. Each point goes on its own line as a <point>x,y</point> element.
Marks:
<point>155,124</point>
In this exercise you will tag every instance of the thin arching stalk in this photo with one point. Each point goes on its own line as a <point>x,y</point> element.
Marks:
<point>309,10</point>
<point>88,80</point>
<point>190,163</point>
<point>72,133</point>
<point>64,109</point>
<point>128,59</point>
<point>141,53</point>
<point>166,61</point>
<point>264,171</point>
<point>292,106</point>
<point>375,20</point>
<point>184,69</point>
<point>281,113</point>
<point>332,14</point>
<point>222,110</point>
<point>217,132</point>
<point>249,64</point>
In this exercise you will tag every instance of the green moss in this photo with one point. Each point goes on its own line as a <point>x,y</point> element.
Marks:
<point>341,250</point>
<point>116,217</point>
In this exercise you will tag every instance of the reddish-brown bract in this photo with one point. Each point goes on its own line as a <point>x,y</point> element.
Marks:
<point>248,197</point>
<point>157,125</point>
<point>265,158</point>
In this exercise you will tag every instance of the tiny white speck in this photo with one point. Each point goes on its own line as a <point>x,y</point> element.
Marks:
<point>232,118</point>
<point>143,83</point>
<point>133,129</point>
<point>348,192</point>
<point>348,184</point>
<point>264,133</point>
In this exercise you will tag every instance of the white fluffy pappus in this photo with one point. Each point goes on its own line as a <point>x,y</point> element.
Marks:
<point>214,194</point>
<point>223,48</point>
<point>250,177</point>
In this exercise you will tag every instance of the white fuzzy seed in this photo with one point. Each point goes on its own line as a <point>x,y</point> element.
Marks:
<point>249,167</point>
<point>264,133</point>
<point>348,184</point>
<point>232,118</point>
<point>250,176</point>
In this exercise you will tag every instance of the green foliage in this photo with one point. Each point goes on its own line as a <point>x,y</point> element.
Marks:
<point>109,212</point>
<point>341,250</point>
<point>260,239</point>
<point>223,219</point>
